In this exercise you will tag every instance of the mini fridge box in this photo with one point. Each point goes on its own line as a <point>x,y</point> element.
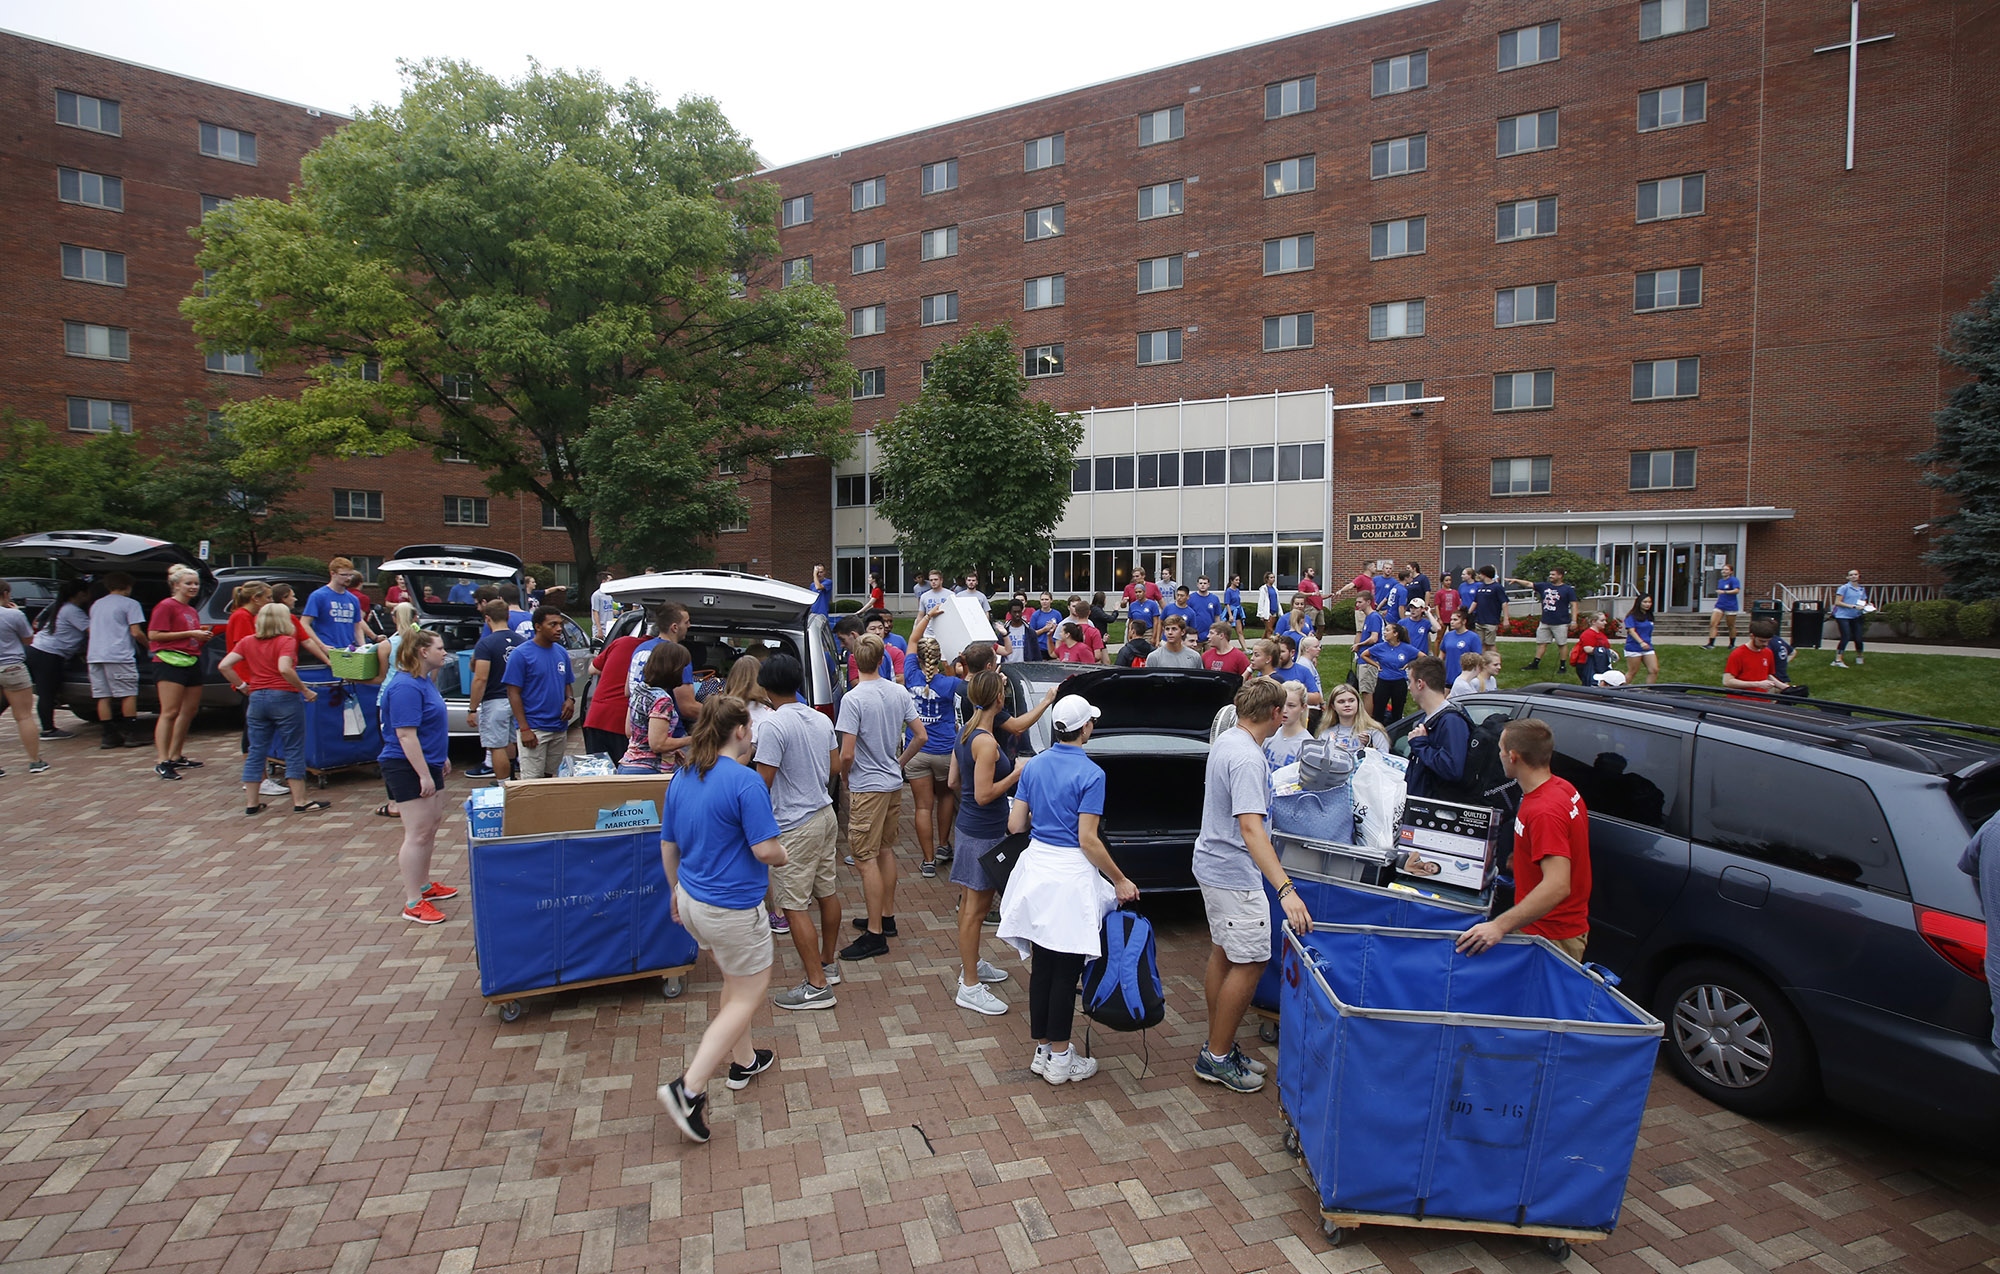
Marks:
<point>959,623</point>
<point>553,807</point>
<point>486,812</point>
<point>1447,843</point>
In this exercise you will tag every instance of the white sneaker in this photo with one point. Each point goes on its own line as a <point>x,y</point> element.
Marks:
<point>991,973</point>
<point>271,787</point>
<point>1068,1067</point>
<point>1838,663</point>
<point>1041,1063</point>
<point>980,1000</point>
<point>1858,661</point>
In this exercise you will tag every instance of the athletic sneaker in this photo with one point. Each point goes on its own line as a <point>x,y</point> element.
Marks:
<point>38,767</point>
<point>479,772</point>
<point>927,870</point>
<point>1068,1067</point>
<point>1225,1071</point>
<point>832,972</point>
<point>848,859</point>
<point>761,1060</point>
<point>689,1112</point>
<point>1707,645</point>
<point>52,733</point>
<point>992,918</point>
<point>1041,1063</point>
<point>980,1000</point>
<point>1838,663</point>
<point>424,913</point>
<point>438,892</point>
<point>1246,1061</point>
<point>944,853</point>
<point>185,763</point>
<point>166,770</point>
<point>779,924</point>
<point>990,973</point>
<point>888,925</point>
<point>1858,661</point>
<point>865,947</point>
<point>806,996</point>
<point>271,787</point>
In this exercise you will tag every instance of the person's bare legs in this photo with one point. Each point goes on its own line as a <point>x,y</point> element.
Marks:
<point>947,813</point>
<point>420,824</point>
<point>878,887</point>
<point>1652,668</point>
<point>818,946</point>
<point>23,704</point>
<point>184,721</point>
<point>971,916</point>
<point>1229,987</point>
<point>923,788</point>
<point>728,1033</point>
<point>171,693</point>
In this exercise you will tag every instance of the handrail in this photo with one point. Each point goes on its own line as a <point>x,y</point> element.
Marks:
<point>1878,594</point>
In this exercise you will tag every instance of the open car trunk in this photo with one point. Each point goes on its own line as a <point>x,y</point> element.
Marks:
<point>1151,797</point>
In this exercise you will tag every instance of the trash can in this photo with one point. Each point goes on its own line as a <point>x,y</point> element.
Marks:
<point>1768,608</point>
<point>1808,625</point>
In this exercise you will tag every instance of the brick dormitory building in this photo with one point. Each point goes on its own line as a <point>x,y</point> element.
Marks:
<point>1660,280</point>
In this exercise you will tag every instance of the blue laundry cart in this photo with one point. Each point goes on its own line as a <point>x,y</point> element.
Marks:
<point>1497,1093</point>
<point>329,748</point>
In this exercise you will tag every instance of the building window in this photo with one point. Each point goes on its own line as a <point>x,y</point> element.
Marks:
<point>1520,134</point>
<point>1043,360</point>
<point>1042,223</point>
<point>1671,197</point>
<point>935,245</point>
<point>869,257</point>
<point>1671,17</point>
<point>1667,289</point>
<point>1666,378</point>
<point>93,189</point>
<point>1396,391</point>
<point>872,193</point>
<point>1252,464</point>
<point>1289,97</point>
<point>1672,107</point>
<point>210,203</point>
<point>1163,200</point>
<point>871,382</point>
<point>1288,176</point>
<point>797,210</point>
<point>1159,274</point>
<point>228,143</point>
<point>371,368</point>
<point>1160,347</point>
<point>1516,307</point>
<point>1529,45</point>
<point>1521,475</point>
<point>456,386</point>
<point>796,270</point>
<point>97,114</point>
<point>1288,255</point>
<point>923,373</point>
<point>357,506</point>
<point>1302,462</point>
<point>234,362</point>
<point>1525,219</point>
<point>940,177</point>
<point>1663,470</point>
<point>1396,156</point>
<point>1160,126</point>
<point>93,265</point>
<point>1392,320</point>
<point>940,308</point>
<point>1403,238</point>
<point>1205,468</point>
<point>93,340</point>
<point>870,320</point>
<point>1042,293</point>
<point>99,416</point>
<point>552,518</point>
<point>1042,152</point>
<point>1400,74</point>
<point>1524,391</point>
<point>739,284</point>
<point>465,510</point>
<point>856,490</point>
<point>1288,331</point>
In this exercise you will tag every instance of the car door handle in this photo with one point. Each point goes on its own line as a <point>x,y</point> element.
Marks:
<point>1741,885</point>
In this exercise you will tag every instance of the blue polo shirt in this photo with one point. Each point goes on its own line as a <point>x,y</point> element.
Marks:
<point>414,703</point>
<point>1141,613</point>
<point>544,676</point>
<point>1204,607</point>
<point>1454,646</point>
<point>1395,659</point>
<point>714,819</point>
<point>334,617</point>
<point>1299,672</point>
<point>1059,785</point>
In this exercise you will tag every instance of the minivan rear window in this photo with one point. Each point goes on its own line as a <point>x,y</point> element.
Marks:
<point>1619,770</point>
<point>1793,814</point>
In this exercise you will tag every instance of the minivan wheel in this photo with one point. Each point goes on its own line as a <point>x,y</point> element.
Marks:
<point>1735,1039</point>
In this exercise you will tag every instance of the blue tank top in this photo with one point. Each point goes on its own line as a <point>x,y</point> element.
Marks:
<point>980,822</point>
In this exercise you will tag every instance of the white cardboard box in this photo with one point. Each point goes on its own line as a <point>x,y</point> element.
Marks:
<point>957,624</point>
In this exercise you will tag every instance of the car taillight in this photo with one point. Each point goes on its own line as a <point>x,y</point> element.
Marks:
<point>1957,939</point>
<point>831,713</point>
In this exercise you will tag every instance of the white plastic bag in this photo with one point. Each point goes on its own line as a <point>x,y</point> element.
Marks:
<point>353,720</point>
<point>1379,788</point>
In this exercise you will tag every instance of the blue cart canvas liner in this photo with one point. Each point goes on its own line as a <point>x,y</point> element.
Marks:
<point>327,745</point>
<point>552,910</point>
<point>1504,1088</point>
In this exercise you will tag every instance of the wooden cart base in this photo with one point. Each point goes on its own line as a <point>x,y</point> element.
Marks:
<point>320,778</point>
<point>1267,1024</point>
<point>671,987</point>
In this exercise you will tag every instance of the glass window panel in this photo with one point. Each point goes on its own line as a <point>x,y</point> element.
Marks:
<point>1123,470</point>
<point>1261,461</point>
<point>1239,465</point>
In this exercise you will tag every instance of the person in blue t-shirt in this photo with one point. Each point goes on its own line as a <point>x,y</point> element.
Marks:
<point>1142,619</point>
<point>822,588</point>
<point>1383,582</point>
<point>1392,657</point>
<point>414,760</point>
<point>1639,652</point>
<point>1396,598</point>
<point>719,841</point>
<point>1204,608</point>
<point>1487,599</point>
<point>1043,624</point>
<point>1458,641</point>
<point>1288,668</point>
<point>335,612</point>
<point>1232,601</point>
<point>460,594</point>
<point>1850,612</point>
<point>1420,626</point>
<point>1369,622</point>
<point>486,706</point>
<point>935,692</point>
<point>1177,605</point>
<point>1558,609</point>
<point>1298,621</point>
<point>538,678</point>
<point>1728,602</point>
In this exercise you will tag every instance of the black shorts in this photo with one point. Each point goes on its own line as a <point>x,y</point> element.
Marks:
<point>402,781</point>
<point>176,674</point>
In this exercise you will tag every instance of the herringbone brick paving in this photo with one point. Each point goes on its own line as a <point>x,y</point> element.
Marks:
<point>220,1050</point>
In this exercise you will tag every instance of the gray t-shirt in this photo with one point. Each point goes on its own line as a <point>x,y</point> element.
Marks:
<point>72,628</point>
<point>111,620</point>
<point>796,741</point>
<point>875,712</point>
<point>1186,657</point>
<point>15,635</point>
<point>1238,782</point>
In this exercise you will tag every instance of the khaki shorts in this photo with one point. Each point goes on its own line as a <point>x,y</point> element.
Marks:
<point>1557,633</point>
<point>1239,921</point>
<point>811,850</point>
<point>15,677</point>
<point>935,766</point>
<point>545,758</point>
<point>496,724</point>
<point>740,940</point>
<point>1489,634</point>
<point>1366,674</point>
<point>1573,947</point>
<point>871,822</point>
<point>114,681</point>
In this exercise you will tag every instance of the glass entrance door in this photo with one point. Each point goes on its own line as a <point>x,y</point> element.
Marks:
<point>1683,577</point>
<point>1162,563</point>
<point>1649,573</point>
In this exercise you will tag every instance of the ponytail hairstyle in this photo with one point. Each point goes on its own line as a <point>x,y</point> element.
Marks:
<point>985,688</point>
<point>246,595</point>
<point>720,716</point>
<point>409,655</point>
<point>930,658</point>
<point>405,614</point>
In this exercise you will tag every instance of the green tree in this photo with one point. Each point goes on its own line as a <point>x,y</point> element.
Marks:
<point>204,487</point>
<point>974,475</point>
<point>56,483</point>
<point>1964,461</point>
<point>1579,572</point>
<point>500,271</point>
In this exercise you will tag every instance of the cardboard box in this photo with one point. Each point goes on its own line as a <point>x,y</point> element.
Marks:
<point>959,623</point>
<point>486,812</point>
<point>1448,843</point>
<point>549,807</point>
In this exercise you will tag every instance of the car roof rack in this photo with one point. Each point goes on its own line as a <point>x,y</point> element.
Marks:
<point>1875,737</point>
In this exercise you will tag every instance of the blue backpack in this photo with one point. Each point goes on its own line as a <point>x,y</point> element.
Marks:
<point>1121,988</point>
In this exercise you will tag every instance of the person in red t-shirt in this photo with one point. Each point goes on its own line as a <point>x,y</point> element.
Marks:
<point>1070,646</point>
<point>1591,638</point>
<point>1093,640</point>
<point>1139,584</point>
<point>1551,850</point>
<point>1447,600</point>
<point>1755,666</point>
<point>1223,654</point>
<point>399,591</point>
<point>362,599</point>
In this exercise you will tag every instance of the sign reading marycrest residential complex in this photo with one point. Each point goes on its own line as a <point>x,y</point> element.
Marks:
<point>1384,526</point>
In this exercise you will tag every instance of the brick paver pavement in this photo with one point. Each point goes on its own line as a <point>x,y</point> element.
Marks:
<point>221,1050</point>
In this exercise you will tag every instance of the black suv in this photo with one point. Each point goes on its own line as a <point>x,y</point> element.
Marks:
<point>1778,879</point>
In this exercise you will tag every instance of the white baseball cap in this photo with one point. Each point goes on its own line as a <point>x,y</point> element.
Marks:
<point>1073,712</point>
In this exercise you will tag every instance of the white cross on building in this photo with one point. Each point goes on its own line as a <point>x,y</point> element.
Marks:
<point>1853,45</point>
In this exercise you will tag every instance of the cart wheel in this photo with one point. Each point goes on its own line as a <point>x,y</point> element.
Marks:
<point>1267,1031</point>
<point>510,1010</point>
<point>1292,1141</point>
<point>1334,1234</point>
<point>1558,1249</point>
<point>672,988</point>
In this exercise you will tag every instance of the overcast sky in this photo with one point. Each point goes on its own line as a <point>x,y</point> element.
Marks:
<point>800,79</point>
